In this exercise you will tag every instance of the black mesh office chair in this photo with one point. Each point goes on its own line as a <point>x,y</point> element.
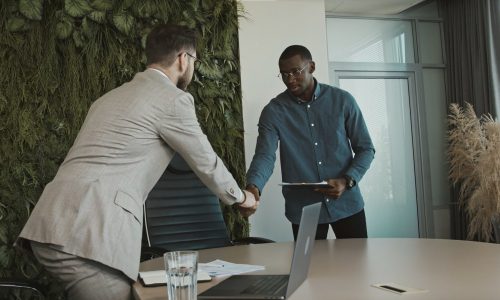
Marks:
<point>181,213</point>
<point>10,288</point>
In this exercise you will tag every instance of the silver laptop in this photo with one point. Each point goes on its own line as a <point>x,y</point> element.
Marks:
<point>274,286</point>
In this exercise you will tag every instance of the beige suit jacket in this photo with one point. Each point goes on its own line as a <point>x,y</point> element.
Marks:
<point>93,207</point>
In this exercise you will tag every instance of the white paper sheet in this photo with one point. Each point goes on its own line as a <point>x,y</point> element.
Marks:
<point>155,278</point>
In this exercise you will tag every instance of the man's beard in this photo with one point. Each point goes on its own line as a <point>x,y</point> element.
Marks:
<point>184,81</point>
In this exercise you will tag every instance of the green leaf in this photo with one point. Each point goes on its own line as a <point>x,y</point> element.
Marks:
<point>4,256</point>
<point>15,24</point>
<point>187,20</point>
<point>124,23</point>
<point>12,6</point>
<point>3,103</point>
<point>88,27</point>
<point>211,71</point>
<point>77,8</point>
<point>79,39</point>
<point>64,28</point>
<point>143,9</point>
<point>3,235</point>
<point>125,4</point>
<point>98,17</point>
<point>31,9</point>
<point>144,37</point>
<point>102,5</point>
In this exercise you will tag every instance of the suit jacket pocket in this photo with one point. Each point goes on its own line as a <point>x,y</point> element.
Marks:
<point>129,204</point>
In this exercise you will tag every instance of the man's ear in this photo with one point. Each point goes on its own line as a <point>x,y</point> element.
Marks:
<point>183,62</point>
<point>312,67</point>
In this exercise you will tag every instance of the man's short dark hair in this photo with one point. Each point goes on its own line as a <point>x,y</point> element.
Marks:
<point>165,42</point>
<point>293,50</point>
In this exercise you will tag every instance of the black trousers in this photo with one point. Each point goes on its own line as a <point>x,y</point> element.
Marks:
<point>347,228</point>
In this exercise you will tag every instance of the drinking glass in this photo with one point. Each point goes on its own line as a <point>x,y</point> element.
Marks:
<point>181,267</point>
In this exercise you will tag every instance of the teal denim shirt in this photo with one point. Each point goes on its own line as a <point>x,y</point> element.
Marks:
<point>318,140</point>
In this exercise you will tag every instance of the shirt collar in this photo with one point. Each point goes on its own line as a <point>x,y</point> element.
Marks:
<point>314,96</point>
<point>159,71</point>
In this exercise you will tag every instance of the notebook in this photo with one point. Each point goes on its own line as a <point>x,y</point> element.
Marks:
<point>157,278</point>
<point>274,286</point>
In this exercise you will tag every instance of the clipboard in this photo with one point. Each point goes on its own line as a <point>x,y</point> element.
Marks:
<point>305,185</point>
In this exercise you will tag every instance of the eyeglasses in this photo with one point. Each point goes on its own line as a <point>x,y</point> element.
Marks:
<point>295,73</point>
<point>196,59</point>
<point>192,56</point>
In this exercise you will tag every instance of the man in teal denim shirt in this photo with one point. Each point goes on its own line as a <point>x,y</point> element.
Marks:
<point>318,128</point>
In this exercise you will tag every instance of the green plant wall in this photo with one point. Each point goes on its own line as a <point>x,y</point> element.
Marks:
<point>58,56</point>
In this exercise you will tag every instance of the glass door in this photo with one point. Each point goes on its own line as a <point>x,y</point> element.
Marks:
<point>389,187</point>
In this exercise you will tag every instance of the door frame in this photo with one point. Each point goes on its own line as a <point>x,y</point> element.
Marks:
<point>413,74</point>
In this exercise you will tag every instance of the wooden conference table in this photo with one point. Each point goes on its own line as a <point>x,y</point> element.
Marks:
<point>345,269</point>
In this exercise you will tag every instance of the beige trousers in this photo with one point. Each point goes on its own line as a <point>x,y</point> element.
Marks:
<point>83,279</point>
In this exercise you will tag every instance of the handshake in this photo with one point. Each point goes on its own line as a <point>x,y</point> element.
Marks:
<point>250,202</point>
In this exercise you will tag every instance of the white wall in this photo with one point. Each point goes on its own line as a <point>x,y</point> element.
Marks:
<point>267,29</point>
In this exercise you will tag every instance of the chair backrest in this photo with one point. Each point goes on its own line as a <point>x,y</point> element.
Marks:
<point>20,288</point>
<point>181,213</point>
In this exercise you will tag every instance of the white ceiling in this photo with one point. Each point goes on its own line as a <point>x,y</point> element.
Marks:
<point>360,7</point>
<point>370,7</point>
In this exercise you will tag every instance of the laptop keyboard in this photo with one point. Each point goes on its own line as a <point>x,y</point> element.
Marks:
<point>267,285</point>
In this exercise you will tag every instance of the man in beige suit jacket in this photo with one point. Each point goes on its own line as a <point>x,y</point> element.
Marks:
<point>86,227</point>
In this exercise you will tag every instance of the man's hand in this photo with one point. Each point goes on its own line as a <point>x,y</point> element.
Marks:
<point>254,190</point>
<point>249,206</point>
<point>337,187</point>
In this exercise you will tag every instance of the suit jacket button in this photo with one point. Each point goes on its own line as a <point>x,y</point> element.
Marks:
<point>231,191</point>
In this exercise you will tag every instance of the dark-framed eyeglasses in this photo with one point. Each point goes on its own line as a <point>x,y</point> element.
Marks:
<point>295,73</point>
<point>196,59</point>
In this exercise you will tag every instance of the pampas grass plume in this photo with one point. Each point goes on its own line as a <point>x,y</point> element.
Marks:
<point>474,158</point>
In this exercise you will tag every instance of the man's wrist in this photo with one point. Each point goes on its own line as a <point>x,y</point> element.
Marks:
<point>252,186</point>
<point>349,182</point>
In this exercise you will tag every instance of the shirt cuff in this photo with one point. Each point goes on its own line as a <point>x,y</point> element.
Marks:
<point>241,197</point>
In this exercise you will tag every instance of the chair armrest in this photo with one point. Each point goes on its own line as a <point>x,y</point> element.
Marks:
<point>148,253</point>
<point>16,283</point>
<point>252,240</point>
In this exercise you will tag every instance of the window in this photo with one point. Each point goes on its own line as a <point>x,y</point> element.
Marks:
<point>395,70</point>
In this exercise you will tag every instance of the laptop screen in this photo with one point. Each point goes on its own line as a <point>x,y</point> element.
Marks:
<point>254,286</point>
<point>303,246</point>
